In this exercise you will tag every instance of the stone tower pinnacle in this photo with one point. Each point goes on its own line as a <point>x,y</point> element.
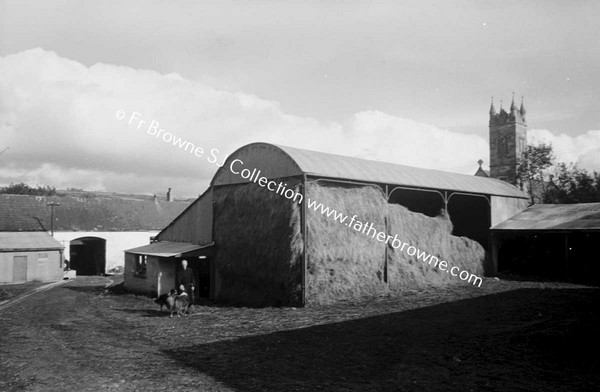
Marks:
<point>508,141</point>
<point>492,108</point>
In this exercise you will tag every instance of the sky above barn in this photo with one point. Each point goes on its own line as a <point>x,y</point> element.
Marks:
<point>407,82</point>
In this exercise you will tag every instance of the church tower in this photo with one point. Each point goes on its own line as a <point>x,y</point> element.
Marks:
<point>508,141</point>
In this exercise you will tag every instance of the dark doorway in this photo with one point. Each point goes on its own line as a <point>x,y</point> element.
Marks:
<point>429,203</point>
<point>88,255</point>
<point>540,255</point>
<point>204,277</point>
<point>559,256</point>
<point>470,216</point>
<point>201,268</point>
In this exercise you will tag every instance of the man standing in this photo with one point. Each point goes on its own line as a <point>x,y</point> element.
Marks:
<point>184,280</point>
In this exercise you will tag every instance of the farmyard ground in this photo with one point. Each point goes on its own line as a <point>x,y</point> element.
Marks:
<point>505,336</point>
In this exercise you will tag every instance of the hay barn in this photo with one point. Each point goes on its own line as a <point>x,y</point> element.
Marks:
<point>264,247</point>
<point>556,241</point>
<point>29,256</point>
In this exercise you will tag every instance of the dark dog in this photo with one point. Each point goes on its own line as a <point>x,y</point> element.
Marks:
<point>167,299</point>
<point>181,305</point>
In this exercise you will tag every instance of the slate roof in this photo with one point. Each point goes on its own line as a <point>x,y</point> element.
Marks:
<point>554,217</point>
<point>38,240</point>
<point>31,213</point>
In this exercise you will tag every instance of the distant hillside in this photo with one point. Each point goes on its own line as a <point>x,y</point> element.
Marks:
<point>25,189</point>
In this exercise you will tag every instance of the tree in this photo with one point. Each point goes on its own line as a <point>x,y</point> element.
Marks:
<point>24,189</point>
<point>532,172</point>
<point>573,185</point>
<point>556,183</point>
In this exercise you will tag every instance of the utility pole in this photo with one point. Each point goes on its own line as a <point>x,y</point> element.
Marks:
<point>52,204</point>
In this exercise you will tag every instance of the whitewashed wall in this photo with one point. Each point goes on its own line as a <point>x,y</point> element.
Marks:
<point>116,242</point>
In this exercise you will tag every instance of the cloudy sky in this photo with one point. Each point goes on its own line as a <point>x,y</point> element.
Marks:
<point>405,82</point>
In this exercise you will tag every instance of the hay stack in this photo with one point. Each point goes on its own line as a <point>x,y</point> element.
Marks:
<point>341,262</point>
<point>259,246</point>
<point>432,235</point>
<point>258,235</point>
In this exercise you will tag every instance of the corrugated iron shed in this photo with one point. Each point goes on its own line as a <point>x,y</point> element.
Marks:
<point>554,217</point>
<point>282,161</point>
<point>22,241</point>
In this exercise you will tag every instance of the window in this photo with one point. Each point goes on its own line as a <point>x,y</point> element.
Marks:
<point>42,258</point>
<point>140,265</point>
<point>503,145</point>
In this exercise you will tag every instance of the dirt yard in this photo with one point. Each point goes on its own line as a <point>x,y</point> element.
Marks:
<point>505,336</point>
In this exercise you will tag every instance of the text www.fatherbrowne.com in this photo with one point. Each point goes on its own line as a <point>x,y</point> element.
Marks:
<point>237,167</point>
<point>368,229</point>
<point>364,228</point>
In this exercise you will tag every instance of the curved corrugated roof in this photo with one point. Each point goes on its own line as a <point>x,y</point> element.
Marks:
<point>321,164</point>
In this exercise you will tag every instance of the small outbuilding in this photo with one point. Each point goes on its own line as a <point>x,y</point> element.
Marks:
<point>94,229</point>
<point>29,256</point>
<point>269,222</point>
<point>152,268</point>
<point>557,241</point>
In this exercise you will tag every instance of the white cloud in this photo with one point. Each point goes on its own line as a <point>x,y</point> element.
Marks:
<point>58,118</point>
<point>583,150</point>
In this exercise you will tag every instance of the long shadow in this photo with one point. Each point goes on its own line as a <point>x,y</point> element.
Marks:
<point>119,289</point>
<point>528,339</point>
<point>96,289</point>
<point>147,312</point>
<point>532,277</point>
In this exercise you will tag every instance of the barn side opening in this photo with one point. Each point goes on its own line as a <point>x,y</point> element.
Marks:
<point>471,217</point>
<point>201,267</point>
<point>88,255</point>
<point>556,256</point>
<point>426,202</point>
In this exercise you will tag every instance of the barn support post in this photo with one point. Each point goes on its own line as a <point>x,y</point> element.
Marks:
<point>213,290</point>
<point>385,261</point>
<point>567,253</point>
<point>303,228</point>
<point>495,244</point>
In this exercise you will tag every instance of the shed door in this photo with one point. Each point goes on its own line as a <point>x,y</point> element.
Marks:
<point>19,268</point>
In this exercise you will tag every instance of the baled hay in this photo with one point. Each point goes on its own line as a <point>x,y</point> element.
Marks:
<point>433,236</point>
<point>341,262</point>
<point>259,245</point>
